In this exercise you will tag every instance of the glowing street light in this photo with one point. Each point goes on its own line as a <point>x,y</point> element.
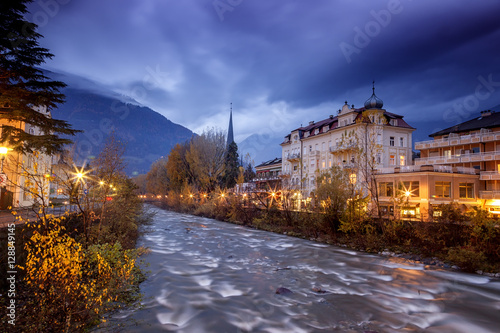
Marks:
<point>3,153</point>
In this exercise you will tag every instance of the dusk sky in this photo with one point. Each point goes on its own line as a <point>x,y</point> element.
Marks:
<point>281,63</point>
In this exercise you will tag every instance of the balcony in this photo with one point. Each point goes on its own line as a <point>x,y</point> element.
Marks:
<point>342,147</point>
<point>293,157</point>
<point>428,168</point>
<point>455,140</point>
<point>489,194</point>
<point>459,158</point>
<point>315,153</point>
<point>489,175</point>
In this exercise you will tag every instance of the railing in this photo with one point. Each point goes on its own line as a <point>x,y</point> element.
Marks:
<point>261,179</point>
<point>409,168</point>
<point>435,168</point>
<point>458,140</point>
<point>466,170</point>
<point>443,168</point>
<point>340,147</point>
<point>489,175</point>
<point>459,158</point>
<point>295,156</point>
<point>489,194</point>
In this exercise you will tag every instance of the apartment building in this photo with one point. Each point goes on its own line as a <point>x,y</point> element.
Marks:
<point>309,150</point>
<point>470,147</point>
<point>14,182</point>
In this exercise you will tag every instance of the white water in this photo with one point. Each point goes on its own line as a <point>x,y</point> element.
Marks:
<point>209,276</point>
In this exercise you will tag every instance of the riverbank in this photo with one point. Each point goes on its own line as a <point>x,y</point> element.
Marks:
<point>64,274</point>
<point>211,276</point>
<point>473,247</point>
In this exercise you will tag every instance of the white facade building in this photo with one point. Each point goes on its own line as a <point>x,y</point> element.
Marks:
<point>310,149</point>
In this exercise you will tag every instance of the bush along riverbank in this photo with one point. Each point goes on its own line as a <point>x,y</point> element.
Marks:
<point>66,276</point>
<point>470,243</point>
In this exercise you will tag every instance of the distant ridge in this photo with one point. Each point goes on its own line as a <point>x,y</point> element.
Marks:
<point>146,134</point>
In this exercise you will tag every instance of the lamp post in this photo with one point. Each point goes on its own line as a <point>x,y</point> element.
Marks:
<point>407,195</point>
<point>3,153</point>
<point>352,181</point>
<point>3,177</point>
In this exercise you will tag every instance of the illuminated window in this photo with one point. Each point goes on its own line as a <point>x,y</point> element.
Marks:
<point>392,161</point>
<point>466,190</point>
<point>410,186</point>
<point>442,189</point>
<point>386,189</point>
<point>402,160</point>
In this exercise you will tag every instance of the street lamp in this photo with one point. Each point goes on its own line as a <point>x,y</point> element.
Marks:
<point>3,153</point>
<point>352,181</point>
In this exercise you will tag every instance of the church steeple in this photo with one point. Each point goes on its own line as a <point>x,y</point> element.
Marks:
<point>230,135</point>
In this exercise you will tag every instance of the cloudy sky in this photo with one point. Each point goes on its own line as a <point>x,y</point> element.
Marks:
<point>282,63</point>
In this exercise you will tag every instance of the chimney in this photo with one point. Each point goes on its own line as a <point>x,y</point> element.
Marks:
<point>311,122</point>
<point>487,113</point>
<point>331,116</point>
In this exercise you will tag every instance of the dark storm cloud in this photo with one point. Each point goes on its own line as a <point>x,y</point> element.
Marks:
<point>291,61</point>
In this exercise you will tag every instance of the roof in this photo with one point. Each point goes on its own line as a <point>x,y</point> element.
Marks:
<point>487,119</point>
<point>272,162</point>
<point>332,123</point>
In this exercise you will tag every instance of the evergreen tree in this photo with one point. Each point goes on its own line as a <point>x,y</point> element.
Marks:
<point>24,89</point>
<point>231,165</point>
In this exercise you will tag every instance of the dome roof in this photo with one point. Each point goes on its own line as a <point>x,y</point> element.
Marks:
<point>374,102</point>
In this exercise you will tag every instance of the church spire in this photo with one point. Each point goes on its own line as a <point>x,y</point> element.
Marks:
<point>230,135</point>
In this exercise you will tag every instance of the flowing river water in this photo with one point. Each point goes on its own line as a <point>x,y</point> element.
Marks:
<point>210,276</point>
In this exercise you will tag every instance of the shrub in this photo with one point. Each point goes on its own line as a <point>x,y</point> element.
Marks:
<point>70,287</point>
<point>466,258</point>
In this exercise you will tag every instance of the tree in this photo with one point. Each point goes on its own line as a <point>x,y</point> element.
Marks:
<point>26,94</point>
<point>333,191</point>
<point>206,159</point>
<point>231,171</point>
<point>178,169</point>
<point>157,180</point>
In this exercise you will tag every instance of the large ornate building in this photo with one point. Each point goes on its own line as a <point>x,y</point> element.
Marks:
<point>336,140</point>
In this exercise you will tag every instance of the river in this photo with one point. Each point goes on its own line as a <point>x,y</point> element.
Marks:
<point>210,276</point>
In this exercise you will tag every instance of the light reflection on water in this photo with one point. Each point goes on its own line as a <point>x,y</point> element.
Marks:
<point>209,276</point>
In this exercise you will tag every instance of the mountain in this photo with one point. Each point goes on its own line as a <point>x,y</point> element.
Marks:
<point>261,148</point>
<point>147,135</point>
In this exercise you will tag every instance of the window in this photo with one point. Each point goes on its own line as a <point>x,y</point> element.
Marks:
<point>447,154</point>
<point>386,189</point>
<point>475,150</point>
<point>310,148</point>
<point>442,189</point>
<point>401,142</point>
<point>391,141</point>
<point>466,190</point>
<point>402,160</point>
<point>392,161</point>
<point>409,186</point>
<point>323,164</point>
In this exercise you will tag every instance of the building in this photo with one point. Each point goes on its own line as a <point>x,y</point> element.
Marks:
<point>461,165</point>
<point>22,173</point>
<point>337,140</point>
<point>268,176</point>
